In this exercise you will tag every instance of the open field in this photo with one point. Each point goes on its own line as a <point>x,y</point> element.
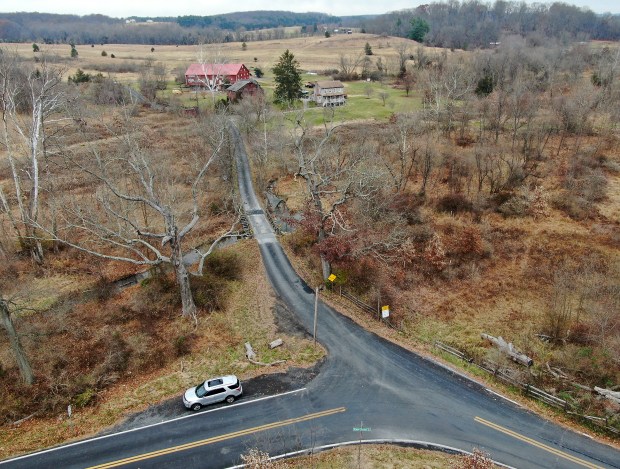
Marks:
<point>313,53</point>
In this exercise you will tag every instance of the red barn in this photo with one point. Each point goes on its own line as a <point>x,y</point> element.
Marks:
<point>243,88</point>
<point>214,75</point>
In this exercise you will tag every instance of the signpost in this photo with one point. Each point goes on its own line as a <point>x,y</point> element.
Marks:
<point>331,278</point>
<point>360,429</point>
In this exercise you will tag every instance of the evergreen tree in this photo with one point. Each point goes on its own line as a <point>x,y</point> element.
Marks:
<point>419,28</point>
<point>287,78</point>
<point>368,49</point>
<point>74,52</point>
<point>35,47</point>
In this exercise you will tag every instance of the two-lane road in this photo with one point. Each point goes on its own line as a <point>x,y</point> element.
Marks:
<point>366,381</point>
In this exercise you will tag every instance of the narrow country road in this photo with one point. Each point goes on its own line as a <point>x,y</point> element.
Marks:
<point>366,382</point>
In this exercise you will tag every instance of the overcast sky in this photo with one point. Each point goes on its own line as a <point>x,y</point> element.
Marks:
<point>124,8</point>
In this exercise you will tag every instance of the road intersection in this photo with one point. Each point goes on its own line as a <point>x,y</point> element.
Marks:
<point>366,382</point>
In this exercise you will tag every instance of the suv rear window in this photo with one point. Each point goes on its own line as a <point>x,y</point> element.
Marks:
<point>235,385</point>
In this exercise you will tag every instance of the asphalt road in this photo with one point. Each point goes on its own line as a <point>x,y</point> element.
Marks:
<point>366,382</point>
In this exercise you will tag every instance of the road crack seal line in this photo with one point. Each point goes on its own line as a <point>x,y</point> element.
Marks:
<point>217,439</point>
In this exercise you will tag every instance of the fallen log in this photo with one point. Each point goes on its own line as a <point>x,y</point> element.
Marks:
<point>276,343</point>
<point>249,352</point>
<point>508,349</point>
<point>277,362</point>
<point>251,356</point>
<point>613,396</point>
<point>20,421</point>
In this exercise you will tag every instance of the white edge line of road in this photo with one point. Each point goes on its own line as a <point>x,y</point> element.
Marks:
<point>504,397</point>
<point>195,414</point>
<point>413,443</point>
<point>469,378</point>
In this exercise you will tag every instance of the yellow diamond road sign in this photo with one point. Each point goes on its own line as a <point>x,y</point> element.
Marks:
<point>331,278</point>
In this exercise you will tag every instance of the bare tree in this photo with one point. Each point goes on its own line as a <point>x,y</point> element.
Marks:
<point>401,168</point>
<point>16,346</point>
<point>29,98</point>
<point>333,177</point>
<point>404,53</point>
<point>444,86</point>
<point>139,201</point>
<point>408,81</point>
<point>384,95</point>
<point>212,63</point>
<point>426,163</point>
<point>350,63</point>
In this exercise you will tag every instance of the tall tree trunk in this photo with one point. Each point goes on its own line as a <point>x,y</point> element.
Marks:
<point>187,299</point>
<point>16,346</point>
<point>325,264</point>
<point>182,276</point>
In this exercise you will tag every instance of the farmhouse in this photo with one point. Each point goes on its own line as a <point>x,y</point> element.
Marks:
<point>242,88</point>
<point>215,75</point>
<point>329,93</point>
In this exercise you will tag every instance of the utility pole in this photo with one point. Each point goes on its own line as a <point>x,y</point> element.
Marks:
<point>316,311</point>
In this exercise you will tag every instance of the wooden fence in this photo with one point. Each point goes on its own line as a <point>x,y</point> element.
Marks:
<point>527,389</point>
<point>357,302</point>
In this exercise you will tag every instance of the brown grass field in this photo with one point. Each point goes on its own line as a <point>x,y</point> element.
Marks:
<point>313,53</point>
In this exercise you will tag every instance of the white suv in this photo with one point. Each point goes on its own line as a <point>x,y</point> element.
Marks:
<point>224,388</point>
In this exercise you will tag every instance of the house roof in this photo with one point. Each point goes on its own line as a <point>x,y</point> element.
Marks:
<point>214,69</point>
<point>330,84</point>
<point>239,85</point>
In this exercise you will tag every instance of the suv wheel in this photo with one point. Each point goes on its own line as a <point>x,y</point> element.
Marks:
<point>196,407</point>
<point>230,399</point>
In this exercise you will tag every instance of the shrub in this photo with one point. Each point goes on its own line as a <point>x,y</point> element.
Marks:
<point>575,207</point>
<point>477,460</point>
<point>224,264</point>
<point>341,76</point>
<point>159,295</point>
<point>210,291</point>
<point>454,203</point>
<point>183,344</point>
<point>300,241</point>
<point>515,206</point>
<point>103,290</point>
<point>408,206</point>
<point>104,53</point>
<point>85,398</point>
<point>79,77</point>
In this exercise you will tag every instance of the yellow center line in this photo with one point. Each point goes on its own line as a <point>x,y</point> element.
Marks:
<point>518,436</point>
<point>216,439</point>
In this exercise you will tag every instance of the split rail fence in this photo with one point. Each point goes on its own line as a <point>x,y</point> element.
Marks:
<point>527,389</point>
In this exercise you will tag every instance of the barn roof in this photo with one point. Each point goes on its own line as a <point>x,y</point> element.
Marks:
<point>330,84</point>
<point>213,69</point>
<point>238,86</point>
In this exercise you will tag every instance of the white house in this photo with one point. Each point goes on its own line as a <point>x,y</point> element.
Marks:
<point>329,93</point>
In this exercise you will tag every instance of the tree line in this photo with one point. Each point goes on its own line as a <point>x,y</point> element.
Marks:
<point>453,24</point>
<point>100,29</point>
<point>473,23</point>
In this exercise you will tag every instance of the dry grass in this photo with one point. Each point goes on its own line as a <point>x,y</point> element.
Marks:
<point>313,53</point>
<point>372,457</point>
